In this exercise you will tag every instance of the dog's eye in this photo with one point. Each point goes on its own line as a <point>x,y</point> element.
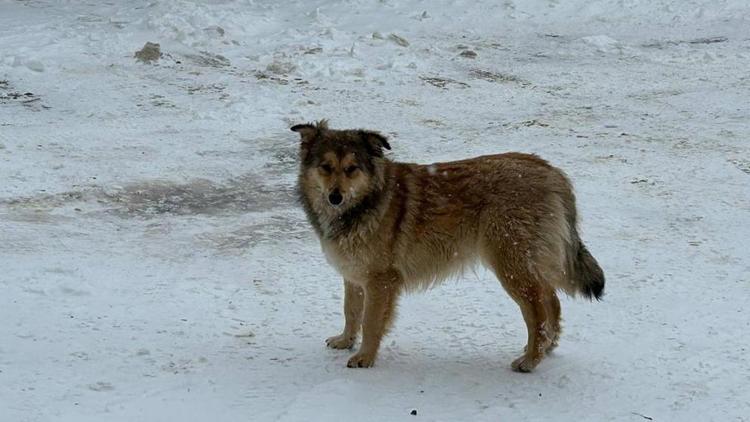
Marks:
<point>326,168</point>
<point>350,170</point>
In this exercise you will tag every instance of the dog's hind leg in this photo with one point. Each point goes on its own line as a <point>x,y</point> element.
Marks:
<point>532,296</point>
<point>353,304</point>
<point>381,294</point>
<point>552,304</point>
<point>529,295</point>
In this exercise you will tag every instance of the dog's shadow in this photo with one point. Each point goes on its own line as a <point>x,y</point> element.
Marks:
<point>486,362</point>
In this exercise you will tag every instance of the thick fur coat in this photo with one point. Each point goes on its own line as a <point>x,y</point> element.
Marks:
<point>389,227</point>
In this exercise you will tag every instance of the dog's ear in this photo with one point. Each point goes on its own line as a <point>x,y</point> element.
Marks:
<point>375,142</point>
<point>308,131</point>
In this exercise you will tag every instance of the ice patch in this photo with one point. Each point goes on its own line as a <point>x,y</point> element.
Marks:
<point>35,65</point>
<point>602,43</point>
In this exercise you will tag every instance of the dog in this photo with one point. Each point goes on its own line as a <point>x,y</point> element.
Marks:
<point>389,227</point>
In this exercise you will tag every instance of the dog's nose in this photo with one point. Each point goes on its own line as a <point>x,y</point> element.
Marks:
<point>335,197</point>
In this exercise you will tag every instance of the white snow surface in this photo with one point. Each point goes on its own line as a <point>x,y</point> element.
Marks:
<point>156,266</point>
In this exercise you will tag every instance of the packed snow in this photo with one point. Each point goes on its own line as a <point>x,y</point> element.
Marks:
<point>156,266</point>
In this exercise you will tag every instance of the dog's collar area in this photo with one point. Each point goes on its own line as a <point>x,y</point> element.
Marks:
<point>350,218</point>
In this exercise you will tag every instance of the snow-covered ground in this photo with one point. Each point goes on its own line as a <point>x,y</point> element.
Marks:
<point>155,266</point>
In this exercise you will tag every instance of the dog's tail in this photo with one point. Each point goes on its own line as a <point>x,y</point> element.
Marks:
<point>584,275</point>
<point>583,270</point>
<point>565,262</point>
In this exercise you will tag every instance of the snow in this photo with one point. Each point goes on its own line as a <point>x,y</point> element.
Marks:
<point>155,264</point>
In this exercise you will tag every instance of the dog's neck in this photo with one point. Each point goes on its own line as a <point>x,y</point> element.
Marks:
<point>353,218</point>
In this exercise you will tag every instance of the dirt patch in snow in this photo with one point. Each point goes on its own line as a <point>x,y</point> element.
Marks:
<point>198,197</point>
<point>8,95</point>
<point>153,198</point>
<point>695,41</point>
<point>490,76</point>
<point>742,165</point>
<point>443,83</point>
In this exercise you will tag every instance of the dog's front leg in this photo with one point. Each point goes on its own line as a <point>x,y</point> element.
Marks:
<point>353,301</point>
<point>381,293</point>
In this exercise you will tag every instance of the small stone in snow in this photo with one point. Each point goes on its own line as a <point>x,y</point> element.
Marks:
<point>469,54</point>
<point>149,53</point>
<point>398,40</point>
<point>414,412</point>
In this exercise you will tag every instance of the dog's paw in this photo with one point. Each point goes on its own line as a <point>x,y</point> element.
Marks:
<point>340,342</point>
<point>361,360</point>
<point>551,348</point>
<point>525,363</point>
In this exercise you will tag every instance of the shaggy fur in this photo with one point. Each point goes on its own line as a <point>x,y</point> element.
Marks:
<point>388,227</point>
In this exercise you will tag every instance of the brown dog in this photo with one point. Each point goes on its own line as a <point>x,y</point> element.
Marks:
<point>389,227</point>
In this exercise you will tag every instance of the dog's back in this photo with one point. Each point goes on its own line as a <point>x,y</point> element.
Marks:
<point>444,216</point>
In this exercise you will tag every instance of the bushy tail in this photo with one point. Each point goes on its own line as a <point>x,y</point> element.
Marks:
<point>582,274</point>
<point>586,272</point>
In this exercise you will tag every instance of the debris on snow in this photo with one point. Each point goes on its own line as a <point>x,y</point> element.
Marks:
<point>443,83</point>
<point>398,40</point>
<point>150,52</point>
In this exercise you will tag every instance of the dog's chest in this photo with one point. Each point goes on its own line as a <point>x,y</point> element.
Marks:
<point>350,261</point>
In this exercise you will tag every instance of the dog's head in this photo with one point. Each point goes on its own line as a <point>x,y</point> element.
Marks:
<point>340,168</point>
